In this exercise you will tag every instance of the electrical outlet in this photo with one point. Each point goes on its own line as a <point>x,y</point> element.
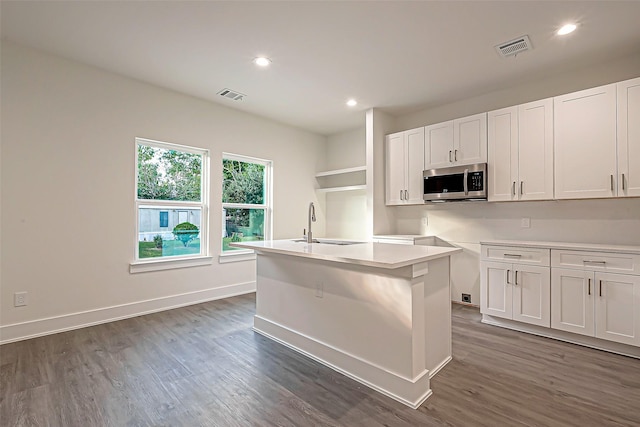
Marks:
<point>525,223</point>
<point>19,299</point>
<point>319,290</point>
<point>466,298</point>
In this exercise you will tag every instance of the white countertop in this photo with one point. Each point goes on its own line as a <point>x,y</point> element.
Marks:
<point>599,247</point>
<point>403,236</point>
<point>381,255</point>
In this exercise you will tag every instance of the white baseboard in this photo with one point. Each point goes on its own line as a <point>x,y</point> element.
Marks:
<point>585,341</point>
<point>67,322</point>
<point>411,392</point>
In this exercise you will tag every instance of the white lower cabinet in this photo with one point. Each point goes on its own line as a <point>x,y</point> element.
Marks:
<point>515,291</point>
<point>564,287</point>
<point>598,304</point>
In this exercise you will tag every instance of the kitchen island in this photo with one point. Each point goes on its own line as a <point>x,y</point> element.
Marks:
<point>378,313</point>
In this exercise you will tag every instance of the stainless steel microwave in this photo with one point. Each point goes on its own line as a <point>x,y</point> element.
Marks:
<point>467,182</point>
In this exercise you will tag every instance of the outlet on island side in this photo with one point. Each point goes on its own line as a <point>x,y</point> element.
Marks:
<point>466,298</point>
<point>319,289</point>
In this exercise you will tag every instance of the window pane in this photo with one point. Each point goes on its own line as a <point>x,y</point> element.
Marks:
<point>243,182</point>
<point>242,225</point>
<point>168,174</point>
<point>181,235</point>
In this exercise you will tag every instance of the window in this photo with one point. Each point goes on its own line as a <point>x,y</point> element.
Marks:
<point>164,219</point>
<point>246,200</point>
<point>171,201</point>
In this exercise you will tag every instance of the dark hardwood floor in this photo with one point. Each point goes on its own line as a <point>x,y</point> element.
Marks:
<point>203,366</point>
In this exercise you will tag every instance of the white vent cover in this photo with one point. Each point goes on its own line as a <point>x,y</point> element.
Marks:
<point>231,94</point>
<point>514,47</point>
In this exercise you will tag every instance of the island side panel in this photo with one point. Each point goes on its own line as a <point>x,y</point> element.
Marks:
<point>363,312</point>
<point>437,315</point>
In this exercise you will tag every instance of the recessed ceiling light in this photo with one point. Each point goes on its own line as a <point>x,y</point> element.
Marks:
<point>566,29</point>
<point>352,103</point>
<point>262,61</point>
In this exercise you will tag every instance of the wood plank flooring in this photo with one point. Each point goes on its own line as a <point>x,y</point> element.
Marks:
<point>203,366</point>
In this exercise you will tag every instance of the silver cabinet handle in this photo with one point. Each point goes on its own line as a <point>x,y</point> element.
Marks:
<point>401,193</point>
<point>406,194</point>
<point>516,282</point>
<point>513,255</point>
<point>513,188</point>
<point>508,282</point>
<point>589,288</point>
<point>586,261</point>
<point>455,155</point>
<point>521,187</point>
<point>623,182</point>
<point>611,182</point>
<point>600,287</point>
<point>449,155</point>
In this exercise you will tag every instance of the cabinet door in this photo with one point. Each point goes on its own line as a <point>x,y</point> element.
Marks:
<point>470,139</point>
<point>572,299</point>
<point>532,295</point>
<point>438,150</point>
<point>617,307</point>
<point>535,139</point>
<point>495,290</point>
<point>415,166</point>
<point>585,143</point>
<point>395,169</point>
<point>502,169</point>
<point>629,138</point>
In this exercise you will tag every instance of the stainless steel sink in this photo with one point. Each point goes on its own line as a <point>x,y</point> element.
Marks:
<point>329,242</point>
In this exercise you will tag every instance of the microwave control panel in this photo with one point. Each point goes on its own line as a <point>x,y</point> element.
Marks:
<point>475,181</point>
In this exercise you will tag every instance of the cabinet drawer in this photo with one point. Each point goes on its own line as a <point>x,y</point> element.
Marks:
<point>596,261</point>
<point>520,255</point>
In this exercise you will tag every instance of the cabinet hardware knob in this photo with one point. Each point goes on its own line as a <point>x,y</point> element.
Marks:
<point>516,282</point>
<point>406,194</point>
<point>455,155</point>
<point>623,182</point>
<point>508,282</point>
<point>449,155</point>
<point>521,188</point>
<point>611,182</point>
<point>589,288</point>
<point>513,188</point>
<point>513,255</point>
<point>401,192</point>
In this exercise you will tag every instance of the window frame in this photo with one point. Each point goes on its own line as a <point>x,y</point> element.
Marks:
<point>174,261</point>
<point>248,254</point>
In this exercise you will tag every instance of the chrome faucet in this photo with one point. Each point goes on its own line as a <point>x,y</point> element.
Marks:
<point>312,218</point>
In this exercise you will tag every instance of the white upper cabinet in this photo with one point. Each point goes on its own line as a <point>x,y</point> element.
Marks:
<point>438,145</point>
<point>585,144</point>
<point>457,142</point>
<point>404,166</point>
<point>520,140</point>
<point>629,138</point>
<point>470,139</point>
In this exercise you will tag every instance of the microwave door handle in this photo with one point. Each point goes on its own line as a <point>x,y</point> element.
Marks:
<point>466,186</point>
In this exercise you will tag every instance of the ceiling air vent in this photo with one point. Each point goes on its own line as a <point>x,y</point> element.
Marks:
<point>231,94</point>
<point>514,46</point>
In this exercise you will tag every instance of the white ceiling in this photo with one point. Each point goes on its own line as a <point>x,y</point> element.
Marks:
<point>398,56</point>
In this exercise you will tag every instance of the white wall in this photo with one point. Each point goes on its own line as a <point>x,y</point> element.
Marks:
<point>346,211</point>
<point>68,190</point>
<point>465,224</point>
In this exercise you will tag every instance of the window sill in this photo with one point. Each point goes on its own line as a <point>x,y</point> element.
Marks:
<point>168,264</point>
<point>238,256</point>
